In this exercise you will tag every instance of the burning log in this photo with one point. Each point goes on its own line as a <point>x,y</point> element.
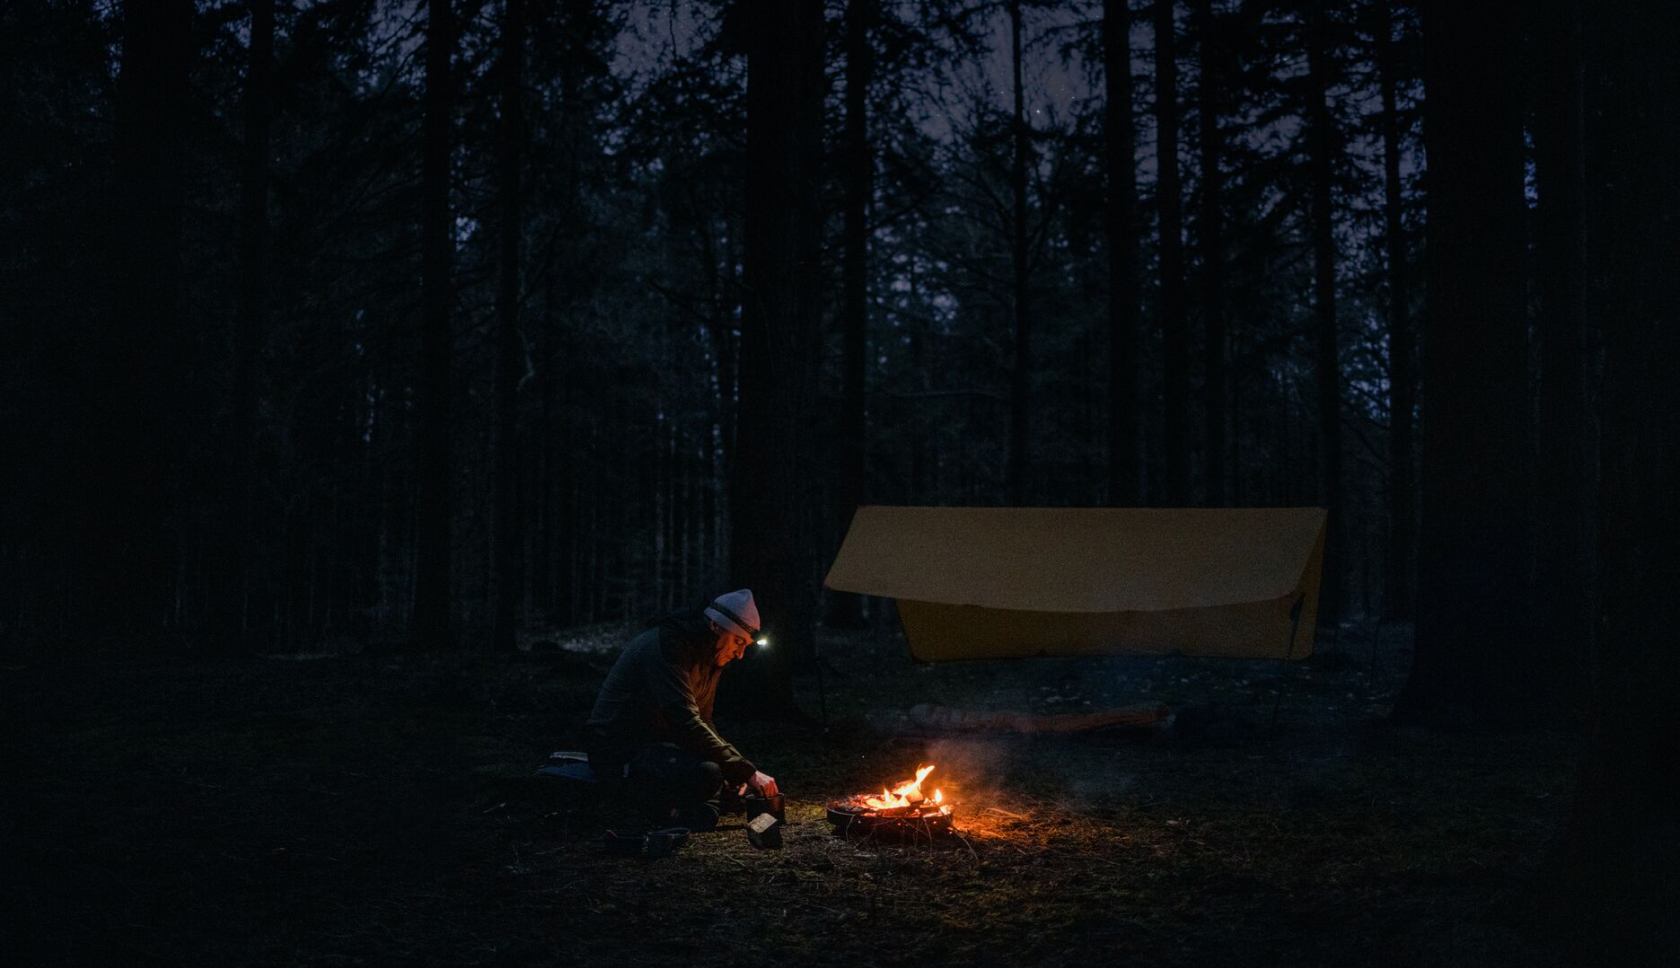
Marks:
<point>901,813</point>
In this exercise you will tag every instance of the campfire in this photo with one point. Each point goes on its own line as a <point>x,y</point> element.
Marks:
<point>904,811</point>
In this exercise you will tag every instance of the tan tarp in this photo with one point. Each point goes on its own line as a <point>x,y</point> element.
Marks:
<point>986,583</point>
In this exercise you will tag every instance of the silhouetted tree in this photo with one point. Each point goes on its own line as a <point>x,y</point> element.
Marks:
<point>857,180</point>
<point>1212,245</point>
<point>1175,336</point>
<point>504,508</point>
<point>1020,378</point>
<point>249,322</point>
<point>772,508</point>
<point>1470,656</point>
<point>1617,888</point>
<point>1402,380</point>
<point>431,624</point>
<point>1327,371</point>
<point>1563,500</point>
<point>137,419</point>
<point>1123,277</point>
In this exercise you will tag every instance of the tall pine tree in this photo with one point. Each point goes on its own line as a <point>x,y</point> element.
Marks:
<point>772,510</point>
<point>1469,660</point>
<point>432,622</point>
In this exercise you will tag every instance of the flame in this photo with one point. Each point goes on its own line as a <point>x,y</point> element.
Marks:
<point>905,794</point>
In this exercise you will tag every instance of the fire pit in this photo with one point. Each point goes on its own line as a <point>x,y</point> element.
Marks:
<point>902,813</point>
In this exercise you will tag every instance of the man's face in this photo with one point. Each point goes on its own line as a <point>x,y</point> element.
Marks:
<point>731,646</point>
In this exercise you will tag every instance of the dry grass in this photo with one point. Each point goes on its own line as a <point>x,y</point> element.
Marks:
<point>363,810</point>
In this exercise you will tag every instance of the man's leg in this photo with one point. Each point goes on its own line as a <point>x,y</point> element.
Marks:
<point>675,786</point>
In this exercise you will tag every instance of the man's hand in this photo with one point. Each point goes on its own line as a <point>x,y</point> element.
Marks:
<point>763,784</point>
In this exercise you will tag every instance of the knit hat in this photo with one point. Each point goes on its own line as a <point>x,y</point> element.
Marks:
<point>735,611</point>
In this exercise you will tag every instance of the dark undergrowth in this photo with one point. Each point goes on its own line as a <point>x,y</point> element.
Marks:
<point>350,809</point>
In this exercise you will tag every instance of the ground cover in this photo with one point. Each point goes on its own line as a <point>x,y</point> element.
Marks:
<point>359,809</point>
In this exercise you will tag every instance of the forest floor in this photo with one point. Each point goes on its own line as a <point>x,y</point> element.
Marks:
<point>349,809</point>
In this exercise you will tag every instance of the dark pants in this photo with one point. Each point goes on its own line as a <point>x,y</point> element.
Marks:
<point>672,786</point>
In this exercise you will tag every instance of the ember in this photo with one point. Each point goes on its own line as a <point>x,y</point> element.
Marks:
<point>902,811</point>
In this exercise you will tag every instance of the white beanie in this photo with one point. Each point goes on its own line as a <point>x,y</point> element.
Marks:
<point>735,610</point>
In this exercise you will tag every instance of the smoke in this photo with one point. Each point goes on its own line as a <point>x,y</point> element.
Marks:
<point>1008,771</point>
<point>972,770</point>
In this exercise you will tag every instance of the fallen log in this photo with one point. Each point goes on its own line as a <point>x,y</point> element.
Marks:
<point>947,719</point>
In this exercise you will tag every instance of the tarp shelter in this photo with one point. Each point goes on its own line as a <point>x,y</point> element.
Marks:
<point>993,583</point>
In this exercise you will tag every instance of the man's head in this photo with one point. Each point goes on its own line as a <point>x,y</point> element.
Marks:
<point>734,617</point>
<point>731,645</point>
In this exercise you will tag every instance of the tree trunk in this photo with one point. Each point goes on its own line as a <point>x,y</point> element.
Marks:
<point>731,305</point>
<point>538,443</point>
<point>133,424</point>
<point>1470,659</point>
<point>1239,487</point>
<point>918,337</point>
<point>845,608</point>
<point>1213,256</point>
<point>1175,336</point>
<point>1020,381</point>
<point>1327,369</point>
<point>1402,381</point>
<point>432,625</point>
<point>505,527</point>
<point>721,291</point>
<point>1618,889</point>
<point>1123,279</point>
<point>1563,553</point>
<point>231,579</point>
<point>771,510</point>
<point>560,485</point>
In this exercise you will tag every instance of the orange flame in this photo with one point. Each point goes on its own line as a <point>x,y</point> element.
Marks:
<point>905,794</point>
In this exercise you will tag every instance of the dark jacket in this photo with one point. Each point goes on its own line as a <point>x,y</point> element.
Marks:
<point>661,690</point>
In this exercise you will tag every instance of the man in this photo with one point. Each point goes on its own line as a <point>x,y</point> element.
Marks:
<point>654,714</point>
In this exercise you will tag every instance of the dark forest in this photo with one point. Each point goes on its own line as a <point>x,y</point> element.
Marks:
<point>375,372</point>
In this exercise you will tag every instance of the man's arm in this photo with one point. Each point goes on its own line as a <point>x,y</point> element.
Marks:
<point>675,700</point>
